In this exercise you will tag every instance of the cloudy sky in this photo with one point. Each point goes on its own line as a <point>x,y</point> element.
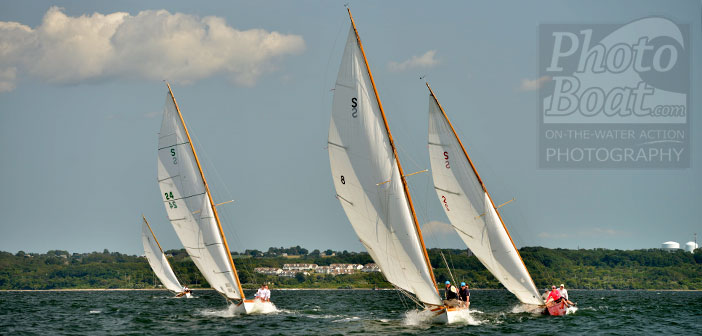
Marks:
<point>81,95</point>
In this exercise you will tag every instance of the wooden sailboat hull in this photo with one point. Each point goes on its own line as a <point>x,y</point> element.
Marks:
<point>254,307</point>
<point>449,315</point>
<point>557,309</point>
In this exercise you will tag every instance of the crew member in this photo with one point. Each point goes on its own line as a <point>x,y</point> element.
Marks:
<point>451,295</point>
<point>564,294</point>
<point>464,294</point>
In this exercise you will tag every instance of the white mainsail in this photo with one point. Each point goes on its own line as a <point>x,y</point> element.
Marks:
<point>188,203</point>
<point>157,260</point>
<point>362,159</point>
<point>470,209</point>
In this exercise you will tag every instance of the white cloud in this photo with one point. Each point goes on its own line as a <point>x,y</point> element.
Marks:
<point>437,228</point>
<point>533,84</point>
<point>153,44</point>
<point>425,61</point>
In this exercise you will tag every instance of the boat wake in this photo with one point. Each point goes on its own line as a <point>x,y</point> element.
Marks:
<point>417,317</point>
<point>232,311</point>
<point>527,308</point>
<point>571,310</point>
<point>263,308</point>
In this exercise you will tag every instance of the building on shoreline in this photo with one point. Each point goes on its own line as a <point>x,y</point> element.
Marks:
<point>290,270</point>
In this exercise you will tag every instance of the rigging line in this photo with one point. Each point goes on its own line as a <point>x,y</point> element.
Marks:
<point>447,266</point>
<point>408,295</point>
<point>225,213</point>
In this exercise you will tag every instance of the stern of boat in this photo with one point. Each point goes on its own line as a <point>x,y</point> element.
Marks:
<point>449,315</point>
<point>254,307</point>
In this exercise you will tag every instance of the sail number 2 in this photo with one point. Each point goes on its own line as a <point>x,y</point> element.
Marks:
<point>173,154</point>
<point>169,197</point>
<point>354,105</point>
<point>447,161</point>
<point>443,199</point>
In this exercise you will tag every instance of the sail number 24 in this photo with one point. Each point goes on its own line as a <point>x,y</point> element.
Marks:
<point>169,197</point>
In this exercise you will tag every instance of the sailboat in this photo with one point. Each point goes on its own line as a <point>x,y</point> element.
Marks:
<point>470,209</point>
<point>371,186</point>
<point>192,212</point>
<point>158,262</point>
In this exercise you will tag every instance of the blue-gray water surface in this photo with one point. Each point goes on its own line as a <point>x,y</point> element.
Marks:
<point>339,312</point>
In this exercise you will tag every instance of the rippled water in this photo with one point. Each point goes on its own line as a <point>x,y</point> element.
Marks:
<point>339,312</point>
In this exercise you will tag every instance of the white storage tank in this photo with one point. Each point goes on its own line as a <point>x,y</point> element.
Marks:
<point>670,246</point>
<point>691,246</point>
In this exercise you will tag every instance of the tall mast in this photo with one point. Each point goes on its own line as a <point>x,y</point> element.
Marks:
<point>152,233</point>
<point>209,195</point>
<point>475,171</point>
<point>394,152</point>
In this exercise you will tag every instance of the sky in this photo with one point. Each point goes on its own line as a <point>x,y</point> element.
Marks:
<point>82,94</point>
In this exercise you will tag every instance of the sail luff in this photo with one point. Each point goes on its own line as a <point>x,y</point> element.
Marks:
<point>209,195</point>
<point>394,150</point>
<point>157,259</point>
<point>475,171</point>
<point>152,232</point>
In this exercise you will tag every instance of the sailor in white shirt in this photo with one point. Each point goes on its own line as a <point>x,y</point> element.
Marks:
<point>266,294</point>
<point>564,294</point>
<point>263,293</point>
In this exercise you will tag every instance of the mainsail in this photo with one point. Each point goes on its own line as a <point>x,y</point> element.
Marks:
<point>368,178</point>
<point>157,260</point>
<point>189,205</point>
<point>470,209</point>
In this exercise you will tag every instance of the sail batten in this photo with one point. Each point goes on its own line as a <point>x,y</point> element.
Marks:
<point>189,204</point>
<point>471,211</point>
<point>363,154</point>
<point>157,259</point>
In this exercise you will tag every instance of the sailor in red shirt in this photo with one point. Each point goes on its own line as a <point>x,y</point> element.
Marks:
<point>555,295</point>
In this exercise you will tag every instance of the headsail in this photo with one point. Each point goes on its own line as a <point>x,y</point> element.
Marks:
<point>361,156</point>
<point>157,260</point>
<point>470,209</point>
<point>189,204</point>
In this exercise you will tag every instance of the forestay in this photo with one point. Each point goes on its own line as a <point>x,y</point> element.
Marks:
<point>361,159</point>
<point>188,205</point>
<point>470,209</point>
<point>157,260</point>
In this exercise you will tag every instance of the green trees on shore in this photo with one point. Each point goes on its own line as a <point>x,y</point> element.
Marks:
<point>590,269</point>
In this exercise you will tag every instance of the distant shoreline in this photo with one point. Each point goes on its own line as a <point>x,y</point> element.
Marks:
<point>315,289</point>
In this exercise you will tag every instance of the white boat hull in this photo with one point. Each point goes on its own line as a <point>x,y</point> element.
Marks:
<point>444,315</point>
<point>254,307</point>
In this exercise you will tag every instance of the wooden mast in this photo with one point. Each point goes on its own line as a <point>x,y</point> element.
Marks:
<point>475,171</point>
<point>209,195</point>
<point>152,233</point>
<point>394,152</point>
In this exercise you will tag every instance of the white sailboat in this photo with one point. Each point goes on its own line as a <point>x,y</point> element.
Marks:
<point>158,262</point>
<point>370,183</point>
<point>192,212</point>
<point>470,208</point>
